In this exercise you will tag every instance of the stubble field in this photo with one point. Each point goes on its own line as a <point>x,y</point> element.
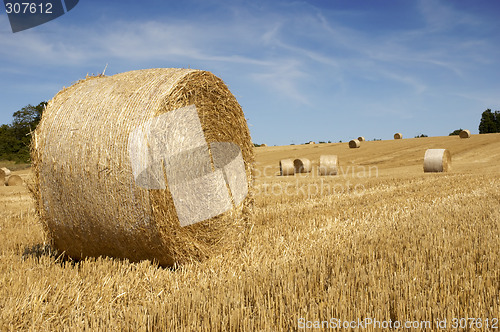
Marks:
<point>379,244</point>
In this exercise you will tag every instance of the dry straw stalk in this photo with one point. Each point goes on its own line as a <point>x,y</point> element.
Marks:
<point>302,165</point>
<point>354,143</point>
<point>328,165</point>
<point>287,167</point>
<point>87,196</point>
<point>398,136</point>
<point>437,160</point>
<point>465,133</point>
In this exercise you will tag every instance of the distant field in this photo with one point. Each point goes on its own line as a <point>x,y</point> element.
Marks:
<point>14,166</point>
<point>381,241</point>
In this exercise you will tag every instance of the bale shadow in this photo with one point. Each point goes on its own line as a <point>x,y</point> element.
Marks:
<point>40,250</point>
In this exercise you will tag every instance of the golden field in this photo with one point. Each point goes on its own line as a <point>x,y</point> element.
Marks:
<point>381,241</point>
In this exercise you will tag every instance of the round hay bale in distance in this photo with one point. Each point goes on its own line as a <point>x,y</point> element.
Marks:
<point>437,160</point>
<point>328,165</point>
<point>465,133</point>
<point>6,171</point>
<point>398,136</point>
<point>302,165</point>
<point>14,180</point>
<point>361,139</point>
<point>354,143</point>
<point>286,167</point>
<point>149,164</point>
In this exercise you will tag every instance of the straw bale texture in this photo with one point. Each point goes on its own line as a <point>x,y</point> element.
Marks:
<point>361,139</point>
<point>354,143</point>
<point>287,167</point>
<point>398,136</point>
<point>14,180</point>
<point>91,197</point>
<point>437,160</point>
<point>6,171</point>
<point>464,133</point>
<point>2,177</point>
<point>328,165</point>
<point>302,165</point>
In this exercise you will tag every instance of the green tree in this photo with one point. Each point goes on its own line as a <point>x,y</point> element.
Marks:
<point>29,116</point>
<point>7,142</point>
<point>488,123</point>
<point>497,120</point>
<point>15,138</point>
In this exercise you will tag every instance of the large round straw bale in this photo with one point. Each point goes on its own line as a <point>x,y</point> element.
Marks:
<point>2,177</point>
<point>263,145</point>
<point>149,164</point>
<point>286,167</point>
<point>328,165</point>
<point>302,165</point>
<point>464,133</point>
<point>398,136</point>
<point>14,180</point>
<point>437,160</point>
<point>354,143</point>
<point>6,171</point>
<point>361,139</point>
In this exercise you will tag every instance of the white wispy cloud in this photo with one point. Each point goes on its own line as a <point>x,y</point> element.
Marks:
<point>285,78</point>
<point>441,16</point>
<point>291,50</point>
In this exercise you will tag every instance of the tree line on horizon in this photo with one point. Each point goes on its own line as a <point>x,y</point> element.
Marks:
<point>15,138</point>
<point>490,122</point>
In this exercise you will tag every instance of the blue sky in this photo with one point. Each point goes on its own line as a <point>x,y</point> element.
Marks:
<point>302,70</point>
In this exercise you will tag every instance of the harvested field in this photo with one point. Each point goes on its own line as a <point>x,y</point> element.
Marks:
<point>380,240</point>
